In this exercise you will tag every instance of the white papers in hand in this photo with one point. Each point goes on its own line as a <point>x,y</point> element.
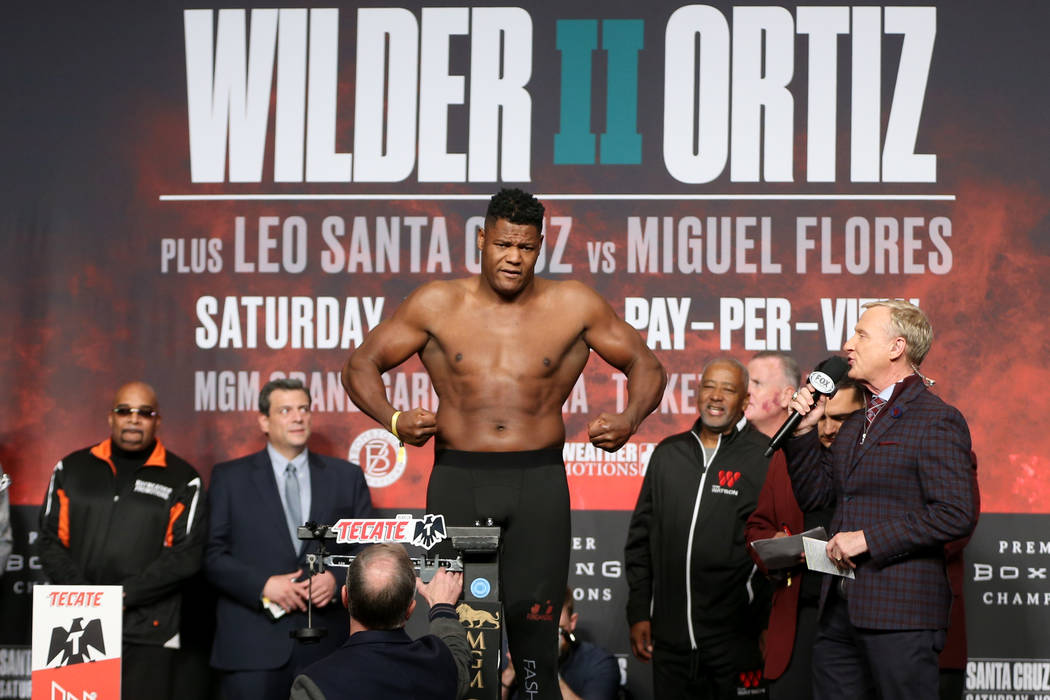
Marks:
<point>817,558</point>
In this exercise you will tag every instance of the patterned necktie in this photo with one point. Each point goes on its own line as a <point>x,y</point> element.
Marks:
<point>875,404</point>
<point>294,512</point>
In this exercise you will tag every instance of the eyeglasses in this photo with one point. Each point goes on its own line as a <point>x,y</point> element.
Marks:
<point>143,411</point>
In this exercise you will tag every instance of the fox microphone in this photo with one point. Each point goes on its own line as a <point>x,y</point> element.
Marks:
<point>823,380</point>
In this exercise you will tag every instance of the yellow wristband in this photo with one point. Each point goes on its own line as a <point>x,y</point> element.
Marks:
<point>393,424</point>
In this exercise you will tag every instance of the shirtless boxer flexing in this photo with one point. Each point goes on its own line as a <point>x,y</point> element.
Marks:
<point>503,350</point>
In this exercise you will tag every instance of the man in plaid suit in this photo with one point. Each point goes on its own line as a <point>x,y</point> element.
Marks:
<point>903,480</point>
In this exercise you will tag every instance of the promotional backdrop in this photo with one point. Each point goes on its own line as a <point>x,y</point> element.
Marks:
<point>207,198</point>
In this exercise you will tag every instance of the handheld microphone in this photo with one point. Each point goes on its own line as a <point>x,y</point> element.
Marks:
<point>823,380</point>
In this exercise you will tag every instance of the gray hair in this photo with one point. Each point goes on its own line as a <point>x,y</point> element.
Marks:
<point>909,322</point>
<point>788,366</point>
<point>725,359</point>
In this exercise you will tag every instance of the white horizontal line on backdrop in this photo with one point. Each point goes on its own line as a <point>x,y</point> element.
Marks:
<point>404,196</point>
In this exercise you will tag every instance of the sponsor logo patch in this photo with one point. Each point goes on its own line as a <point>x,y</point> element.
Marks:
<point>531,686</point>
<point>538,612</point>
<point>728,478</point>
<point>475,619</point>
<point>726,481</point>
<point>750,679</point>
<point>75,645</point>
<point>422,532</point>
<point>376,451</point>
<point>148,487</point>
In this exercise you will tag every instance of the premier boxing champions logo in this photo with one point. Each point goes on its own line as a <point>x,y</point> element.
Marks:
<point>376,450</point>
<point>60,693</point>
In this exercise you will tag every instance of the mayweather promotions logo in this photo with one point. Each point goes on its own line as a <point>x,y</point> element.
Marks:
<point>376,451</point>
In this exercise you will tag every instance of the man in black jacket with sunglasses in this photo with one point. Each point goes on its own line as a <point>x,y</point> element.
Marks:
<point>129,512</point>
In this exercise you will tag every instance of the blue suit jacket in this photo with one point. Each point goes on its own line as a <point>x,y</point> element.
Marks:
<point>911,487</point>
<point>248,542</point>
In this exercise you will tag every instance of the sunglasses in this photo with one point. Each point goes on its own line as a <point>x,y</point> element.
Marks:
<point>143,411</point>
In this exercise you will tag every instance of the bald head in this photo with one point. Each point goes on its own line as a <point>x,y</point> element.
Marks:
<point>136,389</point>
<point>134,417</point>
<point>380,585</point>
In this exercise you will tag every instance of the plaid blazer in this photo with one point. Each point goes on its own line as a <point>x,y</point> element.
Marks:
<point>911,487</point>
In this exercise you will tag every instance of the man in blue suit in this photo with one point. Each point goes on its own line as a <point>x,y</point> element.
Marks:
<point>255,559</point>
<point>903,480</point>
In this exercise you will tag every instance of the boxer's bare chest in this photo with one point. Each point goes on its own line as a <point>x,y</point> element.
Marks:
<point>529,342</point>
